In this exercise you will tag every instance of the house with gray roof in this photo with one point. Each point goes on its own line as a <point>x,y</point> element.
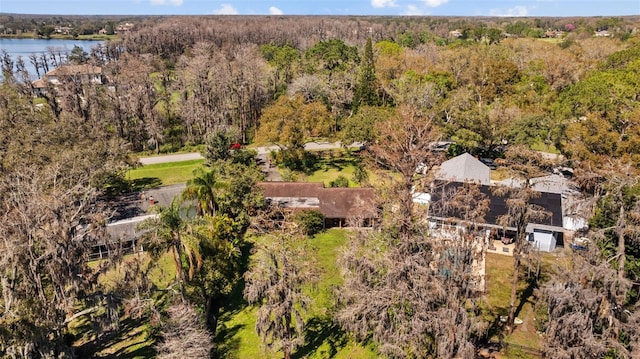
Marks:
<point>464,168</point>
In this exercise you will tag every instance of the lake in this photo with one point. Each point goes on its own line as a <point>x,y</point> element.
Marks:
<point>26,47</point>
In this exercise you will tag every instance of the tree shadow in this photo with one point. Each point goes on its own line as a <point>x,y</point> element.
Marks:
<point>318,331</point>
<point>145,351</point>
<point>225,343</point>
<point>127,329</point>
<point>143,183</point>
<point>495,332</point>
<point>524,295</point>
<point>235,302</point>
<point>337,163</point>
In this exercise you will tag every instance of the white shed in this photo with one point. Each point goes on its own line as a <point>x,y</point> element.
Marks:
<point>542,237</point>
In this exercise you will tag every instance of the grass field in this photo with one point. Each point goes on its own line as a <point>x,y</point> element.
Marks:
<point>329,174</point>
<point>324,339</point>
<point>236,337</point>
<point>134,338</point>
<point>163,174</point>
<point>499,272</point>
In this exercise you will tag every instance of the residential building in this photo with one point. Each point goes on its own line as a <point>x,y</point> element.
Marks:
<point>340,206</point>
<point>464,168</point>
<point>84,73</point>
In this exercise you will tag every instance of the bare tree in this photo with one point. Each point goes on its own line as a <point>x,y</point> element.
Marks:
<point>414,298</point>
<point>404,142</point>
<point>524,165</point>
<point>412,290</point>
<point>275,282</point>
<point>588,311</point>
<point>184,334</point>
<point>592,303</point>
<point>47,227</point>
<point>50,217</point>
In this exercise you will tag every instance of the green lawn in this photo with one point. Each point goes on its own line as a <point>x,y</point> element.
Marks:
<point>499,274</point>
<point>134,338</point>
<point>329,174</point>
<point>324,338</point>
<point>333,164</point>
<point>541,146</point>
<point>163,174</point>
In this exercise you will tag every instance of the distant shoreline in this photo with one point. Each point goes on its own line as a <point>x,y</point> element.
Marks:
<point>31,35</point>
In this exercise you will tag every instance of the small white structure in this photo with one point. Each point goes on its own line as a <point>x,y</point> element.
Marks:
<point>464,168</point>
<point>542,238</point>
<point>421,198</point>
<point>574,223</point>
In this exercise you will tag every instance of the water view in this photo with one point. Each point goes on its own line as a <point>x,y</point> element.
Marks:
<point>26,47</point>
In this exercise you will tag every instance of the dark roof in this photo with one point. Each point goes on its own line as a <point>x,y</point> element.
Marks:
<point>332,202</point>
<point>552,202</point>
<point>291,189</point>
<point>348,203</point>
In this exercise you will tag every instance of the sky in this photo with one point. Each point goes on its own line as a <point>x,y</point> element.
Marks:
<point>533,8</point>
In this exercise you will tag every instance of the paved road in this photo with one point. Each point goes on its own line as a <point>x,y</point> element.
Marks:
<point>171,158</point>
<point>310,146</point>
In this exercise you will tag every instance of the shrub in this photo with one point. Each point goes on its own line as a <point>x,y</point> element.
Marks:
<point>218,145</point>
<point>341,181</point>
<point>244,157</point>
<point>310,221</point>
<point>297,160</point>
<point>360,174</point>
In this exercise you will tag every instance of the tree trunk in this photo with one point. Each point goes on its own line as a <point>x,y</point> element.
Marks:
<point>177,247</point>
<point>514,289</point>
<point>517,254</point>
<point>620,228</point>
<point>213,310</point>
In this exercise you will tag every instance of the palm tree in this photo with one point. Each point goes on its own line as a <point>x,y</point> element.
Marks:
<point>171,230</point>
<point>204,187</point>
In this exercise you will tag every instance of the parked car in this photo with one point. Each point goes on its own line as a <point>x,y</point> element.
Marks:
<point>563,171</point>
<point>580,244</point>
<point>489,163</point>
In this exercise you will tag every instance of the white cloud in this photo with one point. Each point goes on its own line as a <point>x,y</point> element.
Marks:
<point>383,3</point>
<point>177,2</point>
<point>275,11</point>
<point>226,9</point>
<point>514,11</point>
<point>435,3</point>
<point>413,10</point>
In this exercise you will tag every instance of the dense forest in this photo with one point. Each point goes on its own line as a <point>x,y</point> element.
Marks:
<point>497,88</point>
